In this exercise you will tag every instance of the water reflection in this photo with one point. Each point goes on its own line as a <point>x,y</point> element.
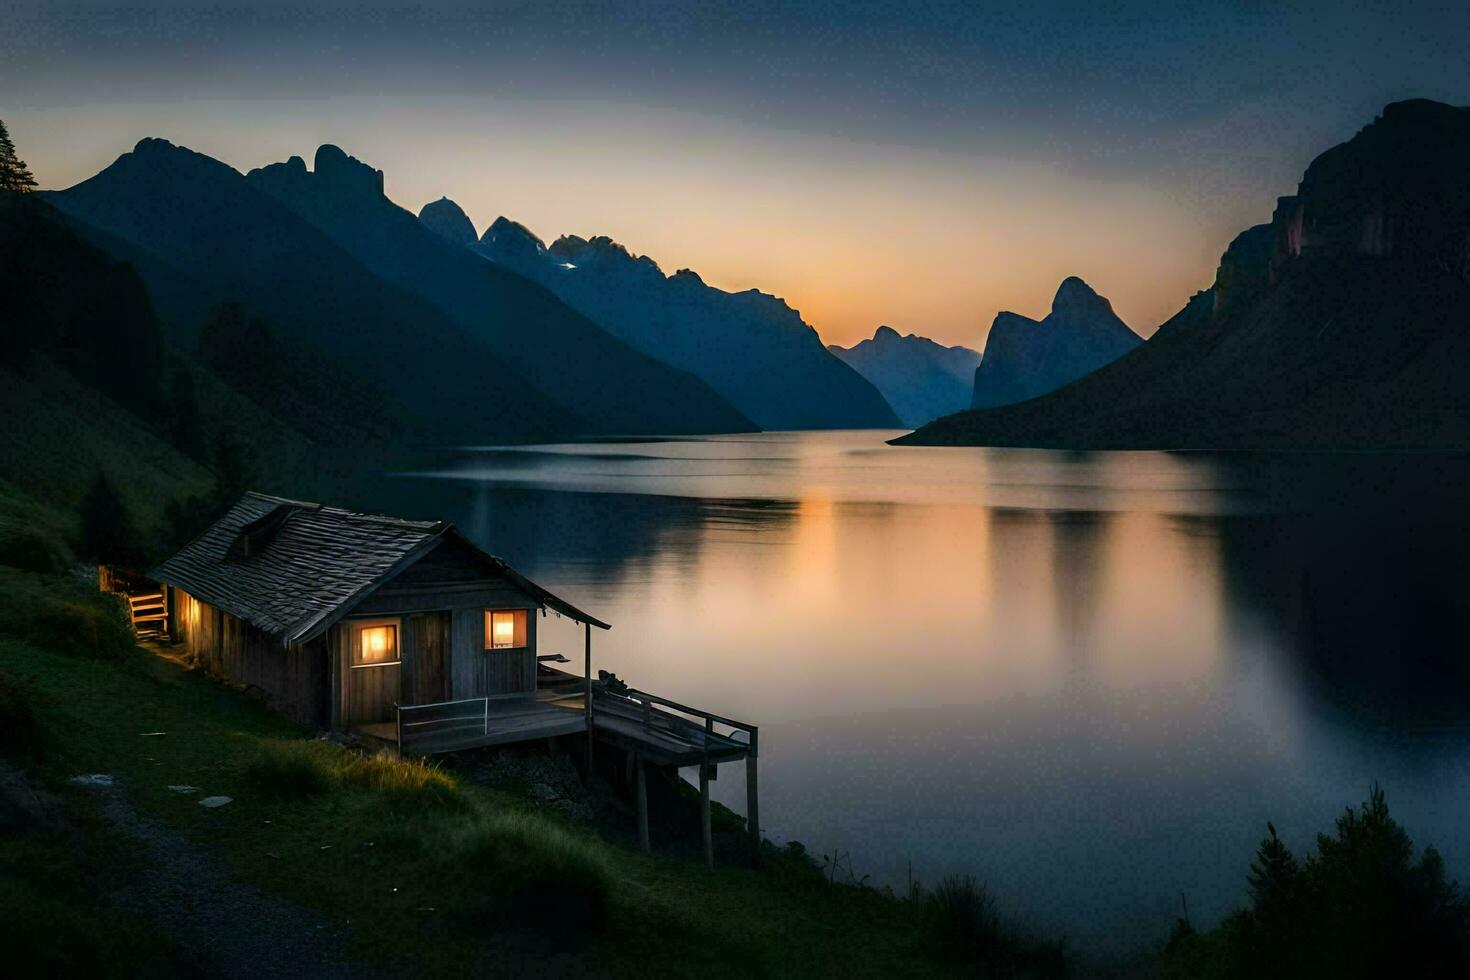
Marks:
<point>1089,678</point>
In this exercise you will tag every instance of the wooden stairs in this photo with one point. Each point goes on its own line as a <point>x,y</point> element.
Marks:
<point>150,614</point>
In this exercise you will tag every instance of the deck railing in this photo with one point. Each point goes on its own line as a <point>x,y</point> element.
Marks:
<point>694,725</point>
<point>449,725</point>
<point>686,722</point>
<point>419,724</point>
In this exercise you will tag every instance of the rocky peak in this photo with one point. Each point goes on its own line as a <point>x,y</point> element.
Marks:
<point>447,220</point>
<point>886,334</point>
<point>512,244</point>
<point>1245,269</point>
<point>152,145</point>
<point>158,156</point>
<point>1075,296</point>
<point>347,175</point>
<point>1395,190</point>
<point>567,247</point>
<point>504,231</point>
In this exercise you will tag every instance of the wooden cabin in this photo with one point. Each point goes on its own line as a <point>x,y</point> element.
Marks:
<point>338,619</point>
<point>407,632</point>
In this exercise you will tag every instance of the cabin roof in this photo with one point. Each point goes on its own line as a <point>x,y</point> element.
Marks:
<point>293,568</point>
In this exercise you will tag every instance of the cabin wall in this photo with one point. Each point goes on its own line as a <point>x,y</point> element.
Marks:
<point>453,581</point>
<point>291,680</point>
<point>471,670</point>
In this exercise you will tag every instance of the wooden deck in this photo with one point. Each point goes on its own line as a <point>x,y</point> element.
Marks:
<point>480,722</point>
<point>651,729</point>
<point>662,737</point>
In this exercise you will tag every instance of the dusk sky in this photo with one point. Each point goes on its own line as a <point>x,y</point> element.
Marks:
<point>922,165</point>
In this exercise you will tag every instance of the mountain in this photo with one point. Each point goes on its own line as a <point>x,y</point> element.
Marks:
<point>749,346</point>
<point>922,380</point>
<point>203,238</point>
<point>590,374</point>
<point>1347,326</point>
<point>444,218</point>
<point>1024,358</point>
<point>94,387</point>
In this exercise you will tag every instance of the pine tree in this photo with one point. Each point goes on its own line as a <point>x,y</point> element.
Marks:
<point>14,175</point>
<point>108,533</point>
<point>1273,875</point>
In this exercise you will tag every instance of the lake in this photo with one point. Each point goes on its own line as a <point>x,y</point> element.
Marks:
<point>1087,679</point>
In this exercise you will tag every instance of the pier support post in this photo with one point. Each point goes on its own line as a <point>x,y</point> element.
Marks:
<point>704,824</point>
<point>587,693</point>
<point>642,807</point>
<point>752,798</point>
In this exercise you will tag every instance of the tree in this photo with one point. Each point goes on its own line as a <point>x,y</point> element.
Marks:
<point>14,175</point>
<point>1362,906</point>
<point>108,533</point>
<point>1273,875</point>
<point>185,424</point>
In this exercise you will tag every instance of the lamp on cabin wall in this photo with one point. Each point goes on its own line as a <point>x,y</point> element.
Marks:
<point>505,629</point>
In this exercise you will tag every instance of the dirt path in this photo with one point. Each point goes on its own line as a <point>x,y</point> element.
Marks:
<point>224,929</point>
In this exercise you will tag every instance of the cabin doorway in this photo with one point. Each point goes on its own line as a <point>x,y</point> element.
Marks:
<point>429,673</point>
<point>374,664</point>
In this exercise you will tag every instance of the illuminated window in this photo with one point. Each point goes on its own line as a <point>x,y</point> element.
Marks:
<point>374,644</point>
<point>505,629</point>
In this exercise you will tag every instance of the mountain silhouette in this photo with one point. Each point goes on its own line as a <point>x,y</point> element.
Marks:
<point>444,218</point>
<point>591,374</point>
<point>1024,358</point>
<point>1340,325</point>
<point>749,346</point>
<point>921,379</point>
<point>201,236</point>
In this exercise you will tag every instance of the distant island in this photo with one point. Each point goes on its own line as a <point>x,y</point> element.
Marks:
<point>1340,324</point>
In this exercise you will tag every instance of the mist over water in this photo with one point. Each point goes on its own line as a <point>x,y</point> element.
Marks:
<point>1089,679</point>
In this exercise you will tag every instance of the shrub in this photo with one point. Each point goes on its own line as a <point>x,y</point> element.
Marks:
<point>964,921</point>
<point>963,914</point>
<point>297,769</point>
<point>31,549</point>
<point>289,770</point>
<point>54,617</point>
<point>406,784</point>
<point>535,870</point>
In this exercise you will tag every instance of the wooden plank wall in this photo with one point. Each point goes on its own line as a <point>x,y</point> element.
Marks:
<point>372,693</point>
<point>426,658</point>
<point>291,680</point>
<point>477,672</point>
<point>456,585</point>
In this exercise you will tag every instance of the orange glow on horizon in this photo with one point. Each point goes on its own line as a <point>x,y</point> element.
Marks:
<point>852,235</point>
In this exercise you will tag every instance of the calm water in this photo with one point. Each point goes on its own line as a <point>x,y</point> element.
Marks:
<point>1089,679</point>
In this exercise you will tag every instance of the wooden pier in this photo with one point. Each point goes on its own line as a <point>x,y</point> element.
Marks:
<point>652,730</point>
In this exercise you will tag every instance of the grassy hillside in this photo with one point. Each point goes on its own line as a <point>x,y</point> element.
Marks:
<point>72,433</point>
<point>401,867</point>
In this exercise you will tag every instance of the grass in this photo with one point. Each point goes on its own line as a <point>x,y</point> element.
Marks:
<point>432,874</point>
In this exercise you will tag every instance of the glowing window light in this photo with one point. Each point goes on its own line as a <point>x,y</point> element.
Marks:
<point>505,628</point>
<point>379,644</point>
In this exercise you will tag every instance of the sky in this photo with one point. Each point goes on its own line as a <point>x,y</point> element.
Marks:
<point>922,165</point>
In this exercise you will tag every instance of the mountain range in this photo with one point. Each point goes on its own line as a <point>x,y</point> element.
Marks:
<point>1343,323</point>
<point>202,238</point>
<point>749,346</point>
<point>591,374</point>
<point>921,379</point>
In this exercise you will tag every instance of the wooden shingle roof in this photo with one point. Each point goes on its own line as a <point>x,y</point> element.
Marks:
<point>293,568</point>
